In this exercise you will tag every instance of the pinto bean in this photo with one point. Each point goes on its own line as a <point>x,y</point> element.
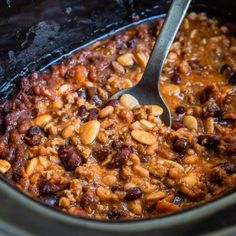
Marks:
<point>4,166</point>
<point>89,131</point>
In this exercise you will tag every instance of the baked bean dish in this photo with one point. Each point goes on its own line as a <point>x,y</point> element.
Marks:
<point>66,144</point>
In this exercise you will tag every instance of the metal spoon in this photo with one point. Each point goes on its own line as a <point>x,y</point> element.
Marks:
<point>147,91</point>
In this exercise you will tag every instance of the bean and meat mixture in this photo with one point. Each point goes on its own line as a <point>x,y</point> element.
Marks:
<point>66,144</point>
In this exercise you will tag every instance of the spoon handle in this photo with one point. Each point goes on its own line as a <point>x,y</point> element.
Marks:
<point>160,51</point>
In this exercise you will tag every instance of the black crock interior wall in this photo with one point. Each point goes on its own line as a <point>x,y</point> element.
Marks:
<point>33,33</point>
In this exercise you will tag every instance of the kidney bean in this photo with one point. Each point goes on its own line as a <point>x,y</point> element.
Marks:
<point>177,125</point>
<point>180,145</point>
<point>101,153</point>
<point>87,199</point>
<point>112,102</point>
<point>133,194</point>
<point>93,114</point>
<point>122,156</point>
<point>70,157</point>
<point>117,187</point>
<point>53,186</point>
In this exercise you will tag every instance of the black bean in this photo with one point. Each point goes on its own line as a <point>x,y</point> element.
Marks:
<point>178,198</point>
<point>215,177</point>
<point>176,79</point>
<point>144,159</point>
<point>209,141</point>
<point>180,145</point>
<point>36,130</point>
<point>132,42</point>
<point>232,79</point>
<point>34,135</point>
<point>93,114</point>
<point>180,110</point>
<point>114,214</point>
<point>82,94</point>
<point>112,102</point>
<point>205,94</point>
<point>221,121</point>
<point>50,200</point>
<point>226,70</point>
<point>229,167</point>
<point>133,194</point>
<point>70,157</point>
<point>177,125</point>
<point>82,111</point>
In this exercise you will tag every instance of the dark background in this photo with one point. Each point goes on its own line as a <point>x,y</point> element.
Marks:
<point>33,34</point>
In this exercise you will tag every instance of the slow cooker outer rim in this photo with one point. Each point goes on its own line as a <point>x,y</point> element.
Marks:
<point>193,214</point>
